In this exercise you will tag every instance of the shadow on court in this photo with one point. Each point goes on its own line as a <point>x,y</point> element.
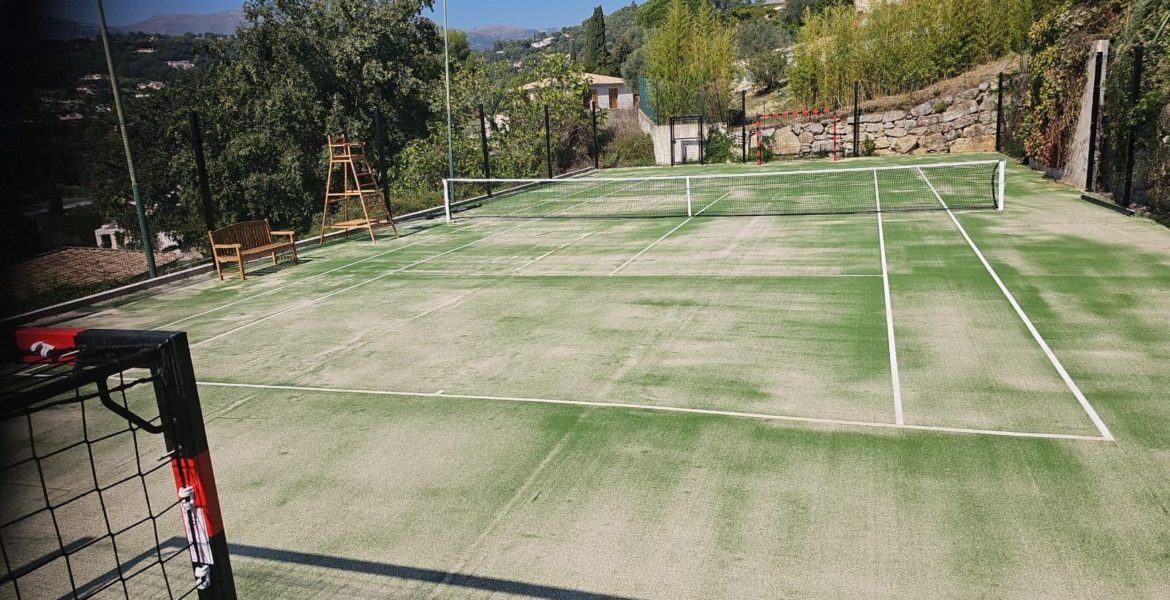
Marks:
<point>477,582</point>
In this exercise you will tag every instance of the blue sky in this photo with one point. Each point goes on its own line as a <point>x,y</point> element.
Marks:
<point>461,14</point>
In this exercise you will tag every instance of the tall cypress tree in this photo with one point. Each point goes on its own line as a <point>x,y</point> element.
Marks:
<point>595,55</point>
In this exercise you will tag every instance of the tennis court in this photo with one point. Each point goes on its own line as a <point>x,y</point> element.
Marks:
<point>698,382</point>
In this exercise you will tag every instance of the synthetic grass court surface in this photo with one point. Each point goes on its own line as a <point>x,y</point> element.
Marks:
<point>695,408</point>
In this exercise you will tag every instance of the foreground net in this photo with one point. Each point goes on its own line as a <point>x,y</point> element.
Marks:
<point>960,186</point>
<point>106,486</point>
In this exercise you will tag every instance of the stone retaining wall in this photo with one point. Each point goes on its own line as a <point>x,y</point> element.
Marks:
<point>964,122</point>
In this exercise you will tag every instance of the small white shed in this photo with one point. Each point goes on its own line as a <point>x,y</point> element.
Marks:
<point>610,92</point>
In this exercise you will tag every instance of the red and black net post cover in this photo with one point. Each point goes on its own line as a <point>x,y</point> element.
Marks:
<point>106,480</point>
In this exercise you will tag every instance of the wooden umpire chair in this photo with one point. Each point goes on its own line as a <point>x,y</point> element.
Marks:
<point>353,199</point>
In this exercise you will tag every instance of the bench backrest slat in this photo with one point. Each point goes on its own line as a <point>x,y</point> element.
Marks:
<point>248,234</point>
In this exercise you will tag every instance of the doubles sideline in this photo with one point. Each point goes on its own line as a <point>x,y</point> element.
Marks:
<point>1068,380</point>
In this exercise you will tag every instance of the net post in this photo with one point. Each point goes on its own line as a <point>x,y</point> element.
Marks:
<point>447,200</point>
<point>690,212</point>
<point>1002,184</point>
<point>179,409</point>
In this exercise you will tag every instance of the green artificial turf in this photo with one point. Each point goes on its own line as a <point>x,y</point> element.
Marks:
<point>477,409</point>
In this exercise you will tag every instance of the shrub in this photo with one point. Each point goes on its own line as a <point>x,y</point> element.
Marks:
<point>628,151</point>
<point>905,45</point>
<point>868,147</point>
<point>718,149</point>
<point>939,105</point>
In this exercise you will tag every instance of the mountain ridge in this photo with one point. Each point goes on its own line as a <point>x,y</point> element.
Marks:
<point>220,23</point>
<point>226,23</point>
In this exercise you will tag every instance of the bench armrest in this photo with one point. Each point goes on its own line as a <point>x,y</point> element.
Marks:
<point>215,248</point>
<point>290,234</point>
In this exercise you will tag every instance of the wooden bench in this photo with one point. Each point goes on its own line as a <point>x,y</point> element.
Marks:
<point>241,241</point>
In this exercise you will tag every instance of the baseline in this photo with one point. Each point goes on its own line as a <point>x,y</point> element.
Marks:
<point>669,409</point>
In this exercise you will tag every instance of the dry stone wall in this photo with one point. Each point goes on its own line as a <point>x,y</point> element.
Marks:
<point>964,122</point>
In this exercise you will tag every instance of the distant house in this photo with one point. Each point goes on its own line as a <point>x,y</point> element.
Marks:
<point>151,85</point>
<point>605,92</point>
<point>93,77</point>
<point>180,64</point>
<point>144,51</point>
<point>609,92</point>
<point>546,42</point>
<point>71,117</point>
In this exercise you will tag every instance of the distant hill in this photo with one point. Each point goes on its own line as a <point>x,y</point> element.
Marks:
<point>221,23</point>
<point>483,38</point>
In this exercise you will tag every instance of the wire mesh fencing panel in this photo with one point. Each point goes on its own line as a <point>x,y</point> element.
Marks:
<point>108,489</point>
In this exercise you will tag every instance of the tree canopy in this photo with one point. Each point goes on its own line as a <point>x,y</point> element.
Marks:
<point>596,56</point>
<point>690,58</point>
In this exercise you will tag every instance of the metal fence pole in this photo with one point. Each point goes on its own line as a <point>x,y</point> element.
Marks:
<point>672,141</point>
<point>1095,114</point>
<point>487,166</point>
<point>702,141</point>
<point>1135,94</point>
<point>856,118</point>
<point>743,123</point>
<point>999,115</point>
<point>380,141</point>
<point>135,188</point>
<point>547,143</point>
<point>596,143</point>
<point>201,172</point>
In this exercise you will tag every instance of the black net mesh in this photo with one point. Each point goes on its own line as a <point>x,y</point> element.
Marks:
<point>88,503</point>
<point>960,186</point>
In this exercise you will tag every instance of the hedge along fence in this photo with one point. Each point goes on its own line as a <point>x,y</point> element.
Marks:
<point>900,47</point>
<point>1135,161</point>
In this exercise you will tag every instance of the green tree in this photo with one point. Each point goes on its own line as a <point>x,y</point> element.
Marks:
<point>691,56</point>
<point>515,117</point>
<point>907,45</point>
<point>652,12</point>
<point>458,47</point>
<point>295,72</point>
<point>595,55</point>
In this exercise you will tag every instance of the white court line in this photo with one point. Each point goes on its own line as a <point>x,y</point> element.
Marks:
<point>300,281</point>
<point>372,279</point>
<point>894,379</point>
<point>666,235</point>
<point>1068,380</point>
<point>669,409</point>
<point>550,253</point>
<point>346,289</point>
<point>620,275</point>
<point>460,568</point>
<point>513,272</point>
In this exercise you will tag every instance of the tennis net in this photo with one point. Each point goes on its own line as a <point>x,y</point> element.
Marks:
<point>958,185</point>
<point>106,483</point>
